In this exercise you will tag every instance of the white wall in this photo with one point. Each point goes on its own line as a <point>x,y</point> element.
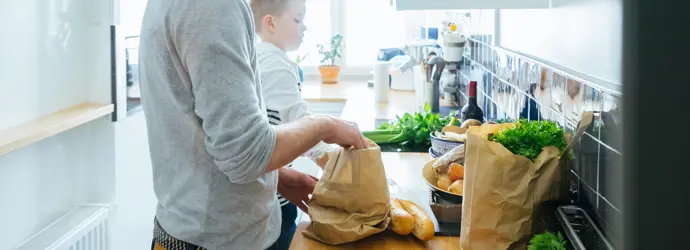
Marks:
<point>54,54</point>
<point>131,13</point>
<point>585,36</point>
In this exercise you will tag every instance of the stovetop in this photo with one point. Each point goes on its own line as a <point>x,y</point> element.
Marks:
<point>583,228</point>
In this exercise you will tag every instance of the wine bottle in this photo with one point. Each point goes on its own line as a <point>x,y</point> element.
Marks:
<point>471,110</point>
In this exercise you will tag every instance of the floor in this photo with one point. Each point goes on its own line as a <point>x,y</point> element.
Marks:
<point>133,106</point>
<point>135,201</point>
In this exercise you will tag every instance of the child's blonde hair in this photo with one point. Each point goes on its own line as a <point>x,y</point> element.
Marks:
<point>262,8</point>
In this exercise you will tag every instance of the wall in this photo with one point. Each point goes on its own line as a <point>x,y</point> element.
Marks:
<point>131,13</point>
<point>571,58</point>
<point>585,36</point>
<point>55,54</point>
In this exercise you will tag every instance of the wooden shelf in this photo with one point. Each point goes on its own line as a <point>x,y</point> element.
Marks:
<point>33,131</point>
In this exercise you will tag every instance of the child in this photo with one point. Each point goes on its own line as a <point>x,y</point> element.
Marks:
<point>280,28</point>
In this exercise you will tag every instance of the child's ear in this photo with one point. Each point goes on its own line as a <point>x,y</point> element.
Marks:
<point>268,23</point>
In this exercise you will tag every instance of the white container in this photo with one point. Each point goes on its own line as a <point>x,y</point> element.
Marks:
<point>453,46</point>
<point>419,88</point>
<point>400,69</point>
<point>402,80</point>
<point>381,81</point>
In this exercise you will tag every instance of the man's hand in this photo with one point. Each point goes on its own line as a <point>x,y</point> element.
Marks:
<point>295,138</point>
<point>346,134</point>
<point>295,186</point>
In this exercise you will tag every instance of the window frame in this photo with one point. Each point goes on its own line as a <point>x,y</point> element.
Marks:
<point>338,27</point>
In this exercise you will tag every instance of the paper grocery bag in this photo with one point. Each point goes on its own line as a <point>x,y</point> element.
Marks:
<point>502,190</point>
<point>351,200</point>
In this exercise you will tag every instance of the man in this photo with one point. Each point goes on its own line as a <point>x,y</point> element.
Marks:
<point>217,162</point>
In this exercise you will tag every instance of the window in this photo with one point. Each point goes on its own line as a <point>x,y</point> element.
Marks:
<point>366,25</point>
<point>318,22</point>
<point>370,25</point>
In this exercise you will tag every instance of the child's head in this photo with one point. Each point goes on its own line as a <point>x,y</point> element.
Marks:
<point>280,22</point>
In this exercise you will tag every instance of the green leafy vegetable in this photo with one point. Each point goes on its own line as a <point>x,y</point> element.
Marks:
<point>547,241</point>
<point>413,129</point>
<point>529,138</point>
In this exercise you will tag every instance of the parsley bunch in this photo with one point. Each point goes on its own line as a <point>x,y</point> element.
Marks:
<point>529,138</point>
<point>547,241</point>
<point>410,129</point>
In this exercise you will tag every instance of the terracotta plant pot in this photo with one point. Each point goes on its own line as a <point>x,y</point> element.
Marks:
<point>329,74</point>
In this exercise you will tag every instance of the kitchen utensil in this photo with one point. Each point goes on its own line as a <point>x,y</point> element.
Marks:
<point>429,70</point>
<point>430,179</point>
<point>429,89</point>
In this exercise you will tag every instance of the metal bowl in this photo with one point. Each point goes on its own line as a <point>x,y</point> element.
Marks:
<point>442,146</point>
<point>431,180</point>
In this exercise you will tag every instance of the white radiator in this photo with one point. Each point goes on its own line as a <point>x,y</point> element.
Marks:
<point>84,228</point>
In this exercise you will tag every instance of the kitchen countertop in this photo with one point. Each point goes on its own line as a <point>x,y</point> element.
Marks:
<point>405,181</point>
<point>360,106</point>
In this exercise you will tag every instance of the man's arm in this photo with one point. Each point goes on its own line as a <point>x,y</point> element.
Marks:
<point>284,100</point>
<point>214,40</point>
<point>297,137</point>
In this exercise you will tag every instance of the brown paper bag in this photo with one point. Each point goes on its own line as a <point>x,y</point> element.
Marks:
<point>351,200</point>
<point>502,190</point>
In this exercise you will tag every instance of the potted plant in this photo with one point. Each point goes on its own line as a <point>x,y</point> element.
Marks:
<point>299,67</point>
<point>330,52</point>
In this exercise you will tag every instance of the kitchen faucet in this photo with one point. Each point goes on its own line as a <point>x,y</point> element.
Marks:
<point>440,64</point>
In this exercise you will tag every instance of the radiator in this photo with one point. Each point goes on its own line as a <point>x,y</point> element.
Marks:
<point>84,228</point>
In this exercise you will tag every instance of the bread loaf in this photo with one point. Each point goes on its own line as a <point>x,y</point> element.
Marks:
<point>402,222</point>
<point>443,182</point>
<point>456,188</point>
<point>423,225</point>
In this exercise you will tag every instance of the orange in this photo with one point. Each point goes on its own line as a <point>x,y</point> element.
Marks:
<point>456,172</point>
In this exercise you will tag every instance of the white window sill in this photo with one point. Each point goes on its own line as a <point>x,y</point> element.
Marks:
<point>355,71</point>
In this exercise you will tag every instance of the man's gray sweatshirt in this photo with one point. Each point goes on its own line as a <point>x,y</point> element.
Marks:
<point>209,135</point>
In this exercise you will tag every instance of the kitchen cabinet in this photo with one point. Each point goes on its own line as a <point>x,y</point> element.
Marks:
<point>472,4</point>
